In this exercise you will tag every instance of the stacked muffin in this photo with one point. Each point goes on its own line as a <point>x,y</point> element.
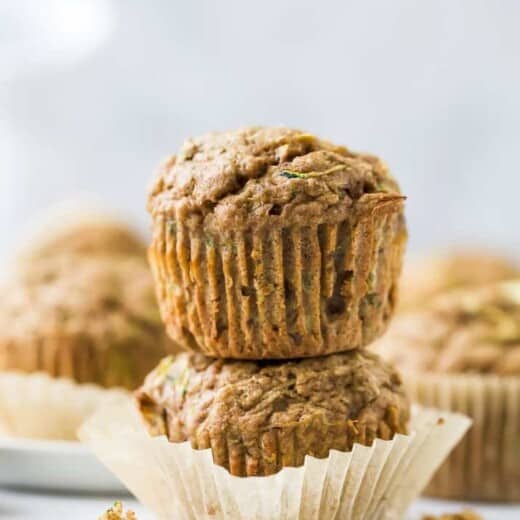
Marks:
<point>276,257</point>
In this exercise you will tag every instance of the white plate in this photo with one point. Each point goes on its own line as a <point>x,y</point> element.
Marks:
<point>55,466</point>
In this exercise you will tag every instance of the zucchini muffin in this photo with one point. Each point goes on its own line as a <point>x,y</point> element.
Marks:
<point>89,235</point>
<point>258,417</point>
<point>271,243</point>
<point>89,319</point>
<point>462,353</point>
<point>426,278</point>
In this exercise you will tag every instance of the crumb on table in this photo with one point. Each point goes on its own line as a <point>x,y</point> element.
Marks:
<point>116,512</point>
<point>466,514</point>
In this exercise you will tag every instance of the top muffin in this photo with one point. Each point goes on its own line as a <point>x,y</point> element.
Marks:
<point>272,243</point>
<point>465,331</point>
<point>422,280</point>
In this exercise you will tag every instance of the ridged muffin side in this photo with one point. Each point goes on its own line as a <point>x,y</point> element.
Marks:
<point>270,243</point>
<point>258,417</point>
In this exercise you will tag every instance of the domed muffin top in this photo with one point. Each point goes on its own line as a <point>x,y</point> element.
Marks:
<point>257,174</point>
<point>473,330</point>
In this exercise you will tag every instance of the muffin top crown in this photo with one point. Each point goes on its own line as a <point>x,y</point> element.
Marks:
<point>253,173</point>
<point>472,330</point>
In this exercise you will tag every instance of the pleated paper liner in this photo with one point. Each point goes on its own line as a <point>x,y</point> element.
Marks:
<point>281,292</point>
<point>486,464</point>
<point>177,482</point>
<point>39,406</point>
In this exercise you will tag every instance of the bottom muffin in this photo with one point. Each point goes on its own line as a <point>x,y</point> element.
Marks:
<point>258,417</point>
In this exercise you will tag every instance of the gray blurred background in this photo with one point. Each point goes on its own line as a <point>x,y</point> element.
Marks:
<point>94,93</point>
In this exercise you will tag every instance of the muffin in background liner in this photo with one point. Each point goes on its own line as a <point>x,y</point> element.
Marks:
<point>269,243</point>
<point>176,481</point>
<point>42,407</point>
<point>462,353</point>
<point>486,464</point>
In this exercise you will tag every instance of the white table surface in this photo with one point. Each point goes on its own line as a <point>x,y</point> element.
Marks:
<point>40,506</point>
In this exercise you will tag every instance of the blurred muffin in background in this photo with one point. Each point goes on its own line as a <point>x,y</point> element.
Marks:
<point>82,233</point>
<point>462,353</point>
<point>424,278</point>
<point>79,323</point>
<point>91,319</point>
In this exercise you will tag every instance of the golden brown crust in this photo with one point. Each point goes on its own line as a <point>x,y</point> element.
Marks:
<point>258,417</point>
<point>472,330</point>
<point>90,319</point>
<point>426,278</point>
<point>269,243</point>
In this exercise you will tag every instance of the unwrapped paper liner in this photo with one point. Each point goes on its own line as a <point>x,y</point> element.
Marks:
<point>178,482</point>
<point>39,406</point>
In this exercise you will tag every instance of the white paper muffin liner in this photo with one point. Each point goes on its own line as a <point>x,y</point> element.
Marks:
<point>39,406</point>
<point>178,482</point>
